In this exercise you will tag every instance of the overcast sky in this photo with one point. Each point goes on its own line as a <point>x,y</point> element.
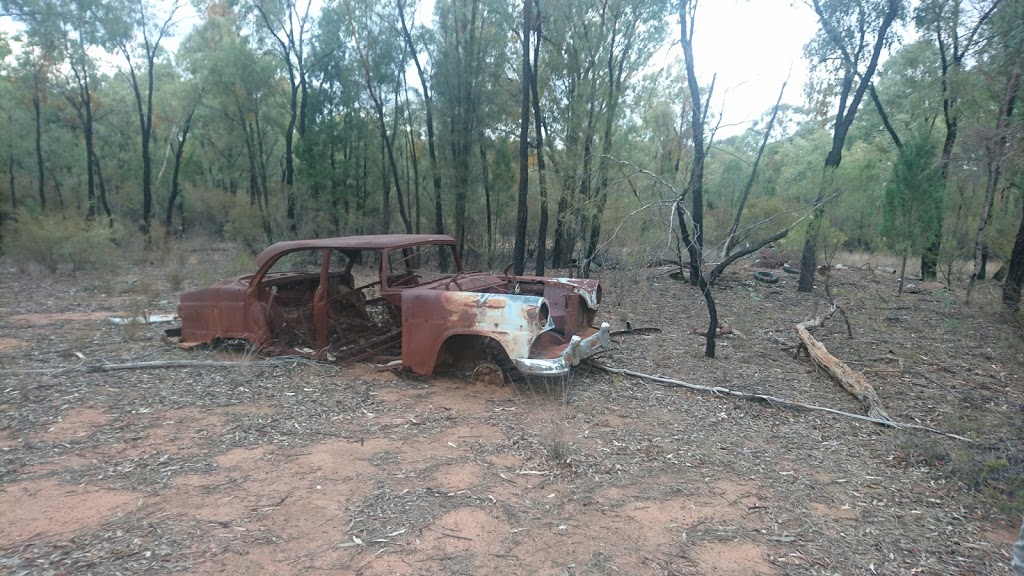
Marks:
<point>753,45</point>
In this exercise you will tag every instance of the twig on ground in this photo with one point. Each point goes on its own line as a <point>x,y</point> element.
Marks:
<point>111,367</point>
<point>671,382</point>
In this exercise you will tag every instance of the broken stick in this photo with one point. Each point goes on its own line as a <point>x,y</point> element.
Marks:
<point>852,381</point>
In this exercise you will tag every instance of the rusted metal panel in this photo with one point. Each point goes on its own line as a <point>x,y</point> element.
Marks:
<point>431,317</point>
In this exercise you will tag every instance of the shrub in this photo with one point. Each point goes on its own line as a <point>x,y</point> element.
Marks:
<point>50,241</point>
<point>245,226</point>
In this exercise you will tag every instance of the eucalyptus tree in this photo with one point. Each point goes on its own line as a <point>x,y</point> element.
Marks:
<point>147,23</point>
<point>409,27</point>
<point>845,52</point>
<point>522,209</point>
<point>538,131</point>
<point>72,28</point>
<point>36,63</point>
<point>287,24</point>
<point>956,27</point>
<point>332,149</point>
<point>1003,54</point>
<point>596,49</point>
<point>913,211</point>
<point>7,106</point>
<point>184,100</point>
<point>378,45</point>
<point>471,37</point>
<point>238,89</point>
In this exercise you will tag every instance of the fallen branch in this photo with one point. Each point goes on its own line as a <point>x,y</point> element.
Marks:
<point>101,367</point>
<point>670,382</point>
<point>851,380</point>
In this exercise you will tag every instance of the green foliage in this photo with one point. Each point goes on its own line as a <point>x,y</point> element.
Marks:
<point>913,195</point>
<point>52,241</point>
<point>245,226</point>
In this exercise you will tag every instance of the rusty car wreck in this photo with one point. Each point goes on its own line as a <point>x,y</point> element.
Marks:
<point>304,299</point>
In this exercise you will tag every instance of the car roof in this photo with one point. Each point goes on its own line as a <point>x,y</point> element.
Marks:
<point>368,242</point>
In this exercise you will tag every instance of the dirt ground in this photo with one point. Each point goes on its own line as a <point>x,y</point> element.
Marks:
<point>288,467</point>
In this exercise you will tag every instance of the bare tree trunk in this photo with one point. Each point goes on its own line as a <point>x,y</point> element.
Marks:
<point>179,152</point>
<point>102,189</point>
<point>519,248</point>
<point>414,188</point>
<point>487,203</point>
<point>903,272</point>
<point>695,186</point>
<point>995,153</point>
<point>1015,271</point>
<point>542,229</point>
<point>39,147</point>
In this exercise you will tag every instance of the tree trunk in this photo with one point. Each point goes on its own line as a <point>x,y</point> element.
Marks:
<point>487,203</point>
<point>561,223</point>
<point>39,148</point>
<point>995,152</point>
<point>695,185</point>
<point>903,272</point>
<point>542,228</point>
<point>10,178</point>
<point>851,380</point>
<point>10,161</point>
<point>519,248</point>
<point>178,153</point>
<point>102,189</point>
<point>1015,271</point>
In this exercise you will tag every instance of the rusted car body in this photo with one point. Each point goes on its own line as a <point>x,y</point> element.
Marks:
<point>303,299</point>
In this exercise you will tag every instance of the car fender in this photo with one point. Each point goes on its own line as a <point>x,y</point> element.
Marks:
<point>430,317</point>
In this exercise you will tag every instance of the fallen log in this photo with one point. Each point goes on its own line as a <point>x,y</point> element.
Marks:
<point>774,400</point>
<point>851,380</point>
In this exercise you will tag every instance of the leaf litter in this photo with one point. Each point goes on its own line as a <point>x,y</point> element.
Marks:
<point>293,467</point>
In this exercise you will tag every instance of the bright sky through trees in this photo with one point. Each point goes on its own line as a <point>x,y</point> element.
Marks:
<point>753,45</point>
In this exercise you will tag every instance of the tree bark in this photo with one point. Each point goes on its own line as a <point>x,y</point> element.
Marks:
<point>178,154</point>
<point>39,146</point>
<point>519,248</point>
<point>851,380</point>
<point>538,121</point>
<point>485,174</point>
<point>102,189</point>
<point>1015,271</point>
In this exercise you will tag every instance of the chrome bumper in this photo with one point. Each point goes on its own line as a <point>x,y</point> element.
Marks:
<point>574,353</point>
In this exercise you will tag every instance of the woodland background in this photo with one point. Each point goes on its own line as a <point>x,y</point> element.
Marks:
<point>539,132</point>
